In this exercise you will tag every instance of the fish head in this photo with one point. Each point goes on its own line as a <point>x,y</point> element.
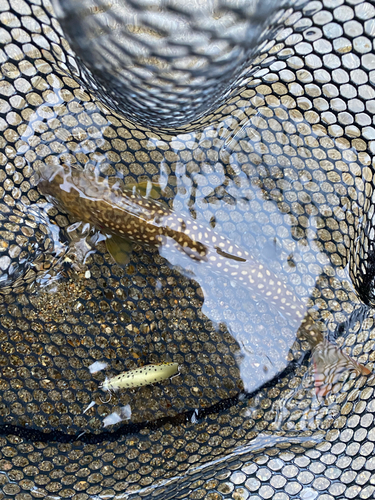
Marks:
<point>54,179</point>
<point>47,173</point>
<point>56,184</point>
<point>50,178</point>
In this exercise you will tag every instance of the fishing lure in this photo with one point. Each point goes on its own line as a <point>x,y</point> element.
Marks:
<point>145,375</point>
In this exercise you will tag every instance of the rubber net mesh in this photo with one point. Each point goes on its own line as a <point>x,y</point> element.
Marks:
<point>256,118</point>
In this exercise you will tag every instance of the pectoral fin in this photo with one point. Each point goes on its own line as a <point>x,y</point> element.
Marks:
<point>120,249</point>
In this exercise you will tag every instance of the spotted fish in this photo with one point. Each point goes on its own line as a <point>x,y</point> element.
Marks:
<point>128,217</point>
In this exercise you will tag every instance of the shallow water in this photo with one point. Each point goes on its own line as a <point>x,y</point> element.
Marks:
<point>270,172</point>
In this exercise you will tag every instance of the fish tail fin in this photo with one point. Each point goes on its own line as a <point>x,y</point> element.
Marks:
<point>329,364</point>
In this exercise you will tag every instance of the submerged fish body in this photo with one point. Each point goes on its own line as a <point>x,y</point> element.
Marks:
<point>123,213</point>
<point>138,219</point>
<point>126,214</point>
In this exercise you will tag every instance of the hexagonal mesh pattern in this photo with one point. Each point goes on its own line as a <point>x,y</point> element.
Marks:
<point>279,160</point>
<point>167,63</point>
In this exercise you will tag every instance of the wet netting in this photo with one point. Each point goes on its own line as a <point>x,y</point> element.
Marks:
<point>253,119</point>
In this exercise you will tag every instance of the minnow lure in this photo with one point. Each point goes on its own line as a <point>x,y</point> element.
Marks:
<point>129,218</point>
<point>149,374</point>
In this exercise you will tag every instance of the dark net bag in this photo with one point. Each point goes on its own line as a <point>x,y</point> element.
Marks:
<point>256,120</point>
